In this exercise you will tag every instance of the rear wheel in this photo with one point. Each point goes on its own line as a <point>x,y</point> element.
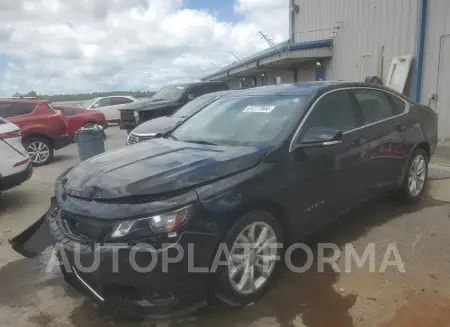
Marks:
<point>416,176</point>
<point>252,261</point>
<point>40,150</point>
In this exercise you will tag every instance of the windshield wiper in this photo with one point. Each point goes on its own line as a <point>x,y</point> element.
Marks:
<point>199,142</point>
<point>168,135</point>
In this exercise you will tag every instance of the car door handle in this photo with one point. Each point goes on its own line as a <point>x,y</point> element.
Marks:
<point>400,128</point>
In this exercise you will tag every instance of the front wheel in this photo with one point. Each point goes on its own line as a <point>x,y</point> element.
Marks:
<point>416,176</point>
<point>253,245</point>
<point>40,151</point>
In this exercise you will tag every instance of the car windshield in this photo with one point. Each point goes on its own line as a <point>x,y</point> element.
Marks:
<point>243,121</point>
<point>172,93</point>
<point>195,105</point>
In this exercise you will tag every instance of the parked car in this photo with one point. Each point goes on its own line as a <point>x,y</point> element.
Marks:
<point>256,168</point>
<point>78,117</point>
<point>110,106</point>
<point>165,102</point>
<point>15,166</point>
<point>159,126</point>
<point>43,129</point>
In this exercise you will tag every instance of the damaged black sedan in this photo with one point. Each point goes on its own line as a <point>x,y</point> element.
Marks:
<point>205,211</point>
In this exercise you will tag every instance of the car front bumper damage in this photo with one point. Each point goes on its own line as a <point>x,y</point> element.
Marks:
<point>114,284</point>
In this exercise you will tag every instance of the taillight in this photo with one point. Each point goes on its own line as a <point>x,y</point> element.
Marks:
<point>12,134</point>
<point>21,163</point>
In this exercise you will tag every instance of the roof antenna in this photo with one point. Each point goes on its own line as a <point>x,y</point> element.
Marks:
<point>234,55</point>
<point>270,42</point>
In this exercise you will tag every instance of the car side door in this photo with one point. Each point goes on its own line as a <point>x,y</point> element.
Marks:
<point>384,134</point>
<point>329,172</point>
<point>41,117</point>
<point>105,105</point>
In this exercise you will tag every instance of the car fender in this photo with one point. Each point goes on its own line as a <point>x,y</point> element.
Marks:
<point>36,131</point>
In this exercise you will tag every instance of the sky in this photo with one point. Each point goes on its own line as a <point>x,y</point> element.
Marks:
<point>75,46</point>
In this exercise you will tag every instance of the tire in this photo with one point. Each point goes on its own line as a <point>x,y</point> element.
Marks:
<point>33,144</point>
<point>224,287</point>
<point>415,177</point>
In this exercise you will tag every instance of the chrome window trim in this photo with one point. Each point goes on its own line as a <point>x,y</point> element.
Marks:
<point>302,123</point>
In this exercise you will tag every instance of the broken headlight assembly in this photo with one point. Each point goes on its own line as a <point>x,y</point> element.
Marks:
<point>162,223</point>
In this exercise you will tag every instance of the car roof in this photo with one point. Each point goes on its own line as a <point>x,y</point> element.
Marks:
<point>23,100</point>
<point>216,94</point>
<point>304,88</point>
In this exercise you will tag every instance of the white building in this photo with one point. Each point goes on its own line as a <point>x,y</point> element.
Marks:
<point>353,39</point>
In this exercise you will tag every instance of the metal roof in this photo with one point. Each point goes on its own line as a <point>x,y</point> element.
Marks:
<point>283,47</point>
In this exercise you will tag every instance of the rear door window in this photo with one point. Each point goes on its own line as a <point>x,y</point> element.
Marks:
<point>398,105</point>
<point>105,102</point>
<point>374,104</point>
<point>120,100</point>
<point>334,111</point>
<point>218,87</point>
<point>8,110</point>
<point>199,90</point>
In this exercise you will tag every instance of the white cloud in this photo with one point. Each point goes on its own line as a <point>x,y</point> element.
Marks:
<point>71,46</point>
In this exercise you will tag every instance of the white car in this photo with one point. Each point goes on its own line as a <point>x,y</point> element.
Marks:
<point>110,106</point>
<point>15,164</point>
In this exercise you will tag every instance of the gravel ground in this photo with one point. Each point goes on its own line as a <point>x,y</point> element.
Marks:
<point>420,296</point>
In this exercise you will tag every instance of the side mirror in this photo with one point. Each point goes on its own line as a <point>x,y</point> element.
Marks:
<point>190,97</point>
<point>95,105</point>
<point>320,136</point>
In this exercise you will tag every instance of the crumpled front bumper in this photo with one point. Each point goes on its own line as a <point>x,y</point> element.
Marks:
<point>115,285</point>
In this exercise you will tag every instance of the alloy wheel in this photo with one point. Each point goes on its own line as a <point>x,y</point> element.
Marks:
<point>252,258</point>
<point>417,175</point>
<point>38,151</point>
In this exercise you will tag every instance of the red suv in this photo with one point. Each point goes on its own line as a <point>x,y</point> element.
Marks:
<point>43,129</point>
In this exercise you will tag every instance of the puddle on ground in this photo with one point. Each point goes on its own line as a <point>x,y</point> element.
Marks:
<point>309,299</point>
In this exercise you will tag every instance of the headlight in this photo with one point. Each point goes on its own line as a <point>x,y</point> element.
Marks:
<point>136,116</point>
<point>166,222</point>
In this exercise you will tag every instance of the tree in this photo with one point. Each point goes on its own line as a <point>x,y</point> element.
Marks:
<point>17,95</point>
<point>32,94</point>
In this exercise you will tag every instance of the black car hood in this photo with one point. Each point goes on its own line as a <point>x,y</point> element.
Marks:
<point>149,104</point>
<point>156,167</point>
<point>158,125</point>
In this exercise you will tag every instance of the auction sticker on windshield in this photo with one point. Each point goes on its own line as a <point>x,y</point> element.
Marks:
<point>256,108</point>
